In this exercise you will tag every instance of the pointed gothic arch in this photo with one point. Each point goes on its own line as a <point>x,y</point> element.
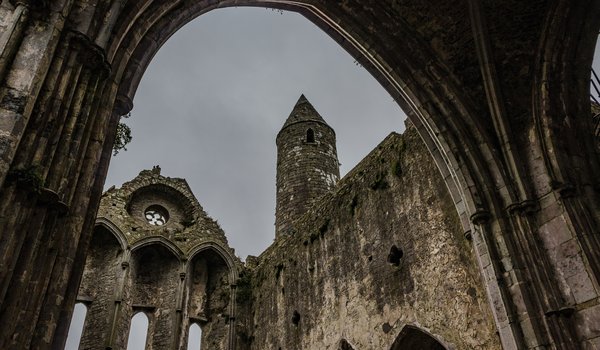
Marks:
<point>412,337</point>
<point>211,267</point>
<point>137,337</point>
<point>194,337</point>
<point>344,345</point>
<point>161,241</point>
<point>463,96</point>
<point>219,250</point>
<point>114,229</point>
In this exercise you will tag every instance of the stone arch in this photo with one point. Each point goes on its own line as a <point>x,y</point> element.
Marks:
<point>114,229</point>
<point>211,290</point>
<point>445,116</point>
<point>310,135</point>
<point>196,326</point>
<point>412,337</point>
<point>561,107</point>
<point>154,286</point>
<point>445,135</point>
<point>177,191</point>
<point>162,241</point>
<point>77,326</point>
<point>221,252</point>
<point>139,320</point>
<point>173,196</point>
<point>344,345</point>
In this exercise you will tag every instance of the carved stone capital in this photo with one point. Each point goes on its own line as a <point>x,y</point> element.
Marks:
<point>91,55</point>
<point>35,4</point>
<point>526,207</point>
<point>53,200</point>
<point>565,311</point>
<point>468,235</point>
<point>480,217</point>
<point>123,105</point>
<point>564,189</point>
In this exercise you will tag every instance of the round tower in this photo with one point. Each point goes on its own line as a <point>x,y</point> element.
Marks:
<point>307,164</point>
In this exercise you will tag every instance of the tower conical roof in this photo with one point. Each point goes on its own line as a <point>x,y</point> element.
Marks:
<point>303,111</point>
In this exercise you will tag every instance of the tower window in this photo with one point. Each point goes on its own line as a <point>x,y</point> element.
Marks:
<point>310,136</point>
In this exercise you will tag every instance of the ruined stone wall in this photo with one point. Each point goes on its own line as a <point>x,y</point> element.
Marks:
<point>383,251</point>
<point>207,299</point>
<point>177,273</point>
<point>214,334</point>
<point>154,287</point>
<point>98,285</point>
<point>188,224</point>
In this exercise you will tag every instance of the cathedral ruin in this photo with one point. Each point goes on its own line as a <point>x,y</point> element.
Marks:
<point>374,261</point>
<point>498,96</point>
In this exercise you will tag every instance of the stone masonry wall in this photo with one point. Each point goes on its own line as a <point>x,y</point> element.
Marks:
<point>154,288</point>
<point>384,250</point>
<point>207,299</point>
<point>178,273</point>
<point>103,268</point>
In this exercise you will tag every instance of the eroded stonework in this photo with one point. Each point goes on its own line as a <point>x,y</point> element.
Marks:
<point>381,252</point>
<point>155,251</point>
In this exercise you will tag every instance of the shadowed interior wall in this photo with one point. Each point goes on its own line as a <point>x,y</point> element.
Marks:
<point>154,286</point>
<point>208,299</point>
<point>98,287</point>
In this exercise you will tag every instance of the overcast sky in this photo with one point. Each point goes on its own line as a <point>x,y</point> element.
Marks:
<point>213,99</point>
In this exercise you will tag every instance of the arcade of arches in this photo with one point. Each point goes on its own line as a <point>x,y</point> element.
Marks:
<point>497,90</point>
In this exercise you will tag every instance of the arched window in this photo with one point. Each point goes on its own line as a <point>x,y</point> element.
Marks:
<point>344,345</point>
<point>138,332</point>
<point>76,328</point>
<point>310,136</point>
<point>195,337</point>
<point>413,338</point>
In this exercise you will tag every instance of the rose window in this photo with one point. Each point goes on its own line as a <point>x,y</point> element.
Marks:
<point>156,215</point>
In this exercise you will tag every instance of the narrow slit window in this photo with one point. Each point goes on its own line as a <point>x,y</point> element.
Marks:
<point>76,327</point>
<point>310,136</point>
<point>195,337</point>
<point>138,332</point>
